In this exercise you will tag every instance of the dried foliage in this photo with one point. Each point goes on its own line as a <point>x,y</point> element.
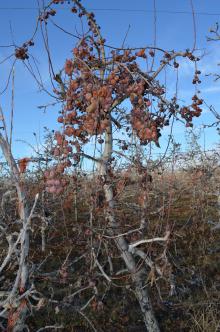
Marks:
<point>131,246</point>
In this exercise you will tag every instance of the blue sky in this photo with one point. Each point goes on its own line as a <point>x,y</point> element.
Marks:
<point>173,31</point>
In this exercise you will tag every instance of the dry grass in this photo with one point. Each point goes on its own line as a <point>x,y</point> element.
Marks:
<point>205,319</point>
<point>183,203</point>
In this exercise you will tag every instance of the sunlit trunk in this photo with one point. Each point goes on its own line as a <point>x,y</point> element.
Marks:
<point>138,276</point>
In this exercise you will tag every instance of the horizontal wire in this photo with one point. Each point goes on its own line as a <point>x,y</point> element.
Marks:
<point>124,10</point>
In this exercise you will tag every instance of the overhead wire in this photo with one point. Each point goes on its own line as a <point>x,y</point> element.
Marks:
<point>161,11</point>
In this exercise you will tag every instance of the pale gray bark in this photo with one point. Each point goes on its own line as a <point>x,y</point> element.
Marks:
<point>21,280</point>
<point>138,276</point>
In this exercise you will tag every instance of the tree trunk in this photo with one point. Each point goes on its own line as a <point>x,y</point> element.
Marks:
<point>121,243</point>
<point>17,316</point>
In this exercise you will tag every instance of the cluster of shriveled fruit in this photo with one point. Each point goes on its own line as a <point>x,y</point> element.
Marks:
<point>88,98</point>
<point>196,78</point>
<point>98,83</point>
<point>127,56</point>
<point>146,124</point>
<point>195,105</point>
<point>187,113</point>
<point>55,182</point>
<point>54,178</point>
<point>46,14</point>
<point>64,147</point>
<point>97,102</point>
<point>145,128</point>
<point>84,59</point>
<point>124,56</point>
<point>21,53</point>
<point>121,81</point>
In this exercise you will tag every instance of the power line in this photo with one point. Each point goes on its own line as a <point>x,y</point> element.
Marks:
<point>152,11</point>
<point>160,11</point>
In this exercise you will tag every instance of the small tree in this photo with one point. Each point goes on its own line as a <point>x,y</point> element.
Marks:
<point>14,306</point>
<point>96,82</point>
<point>94,86</point>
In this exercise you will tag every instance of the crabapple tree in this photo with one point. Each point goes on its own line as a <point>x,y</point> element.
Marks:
<point>95,85</point>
